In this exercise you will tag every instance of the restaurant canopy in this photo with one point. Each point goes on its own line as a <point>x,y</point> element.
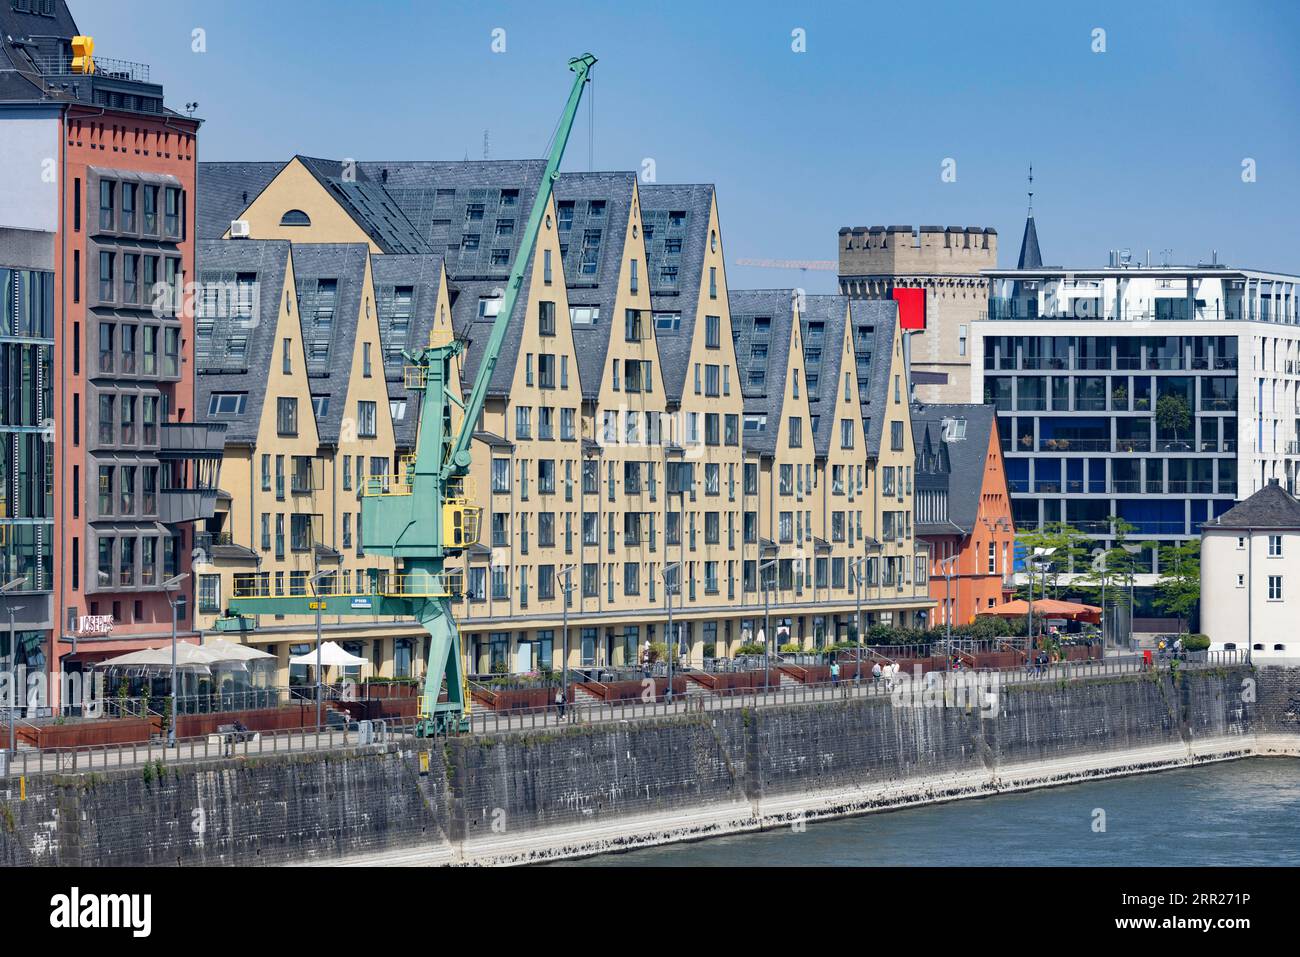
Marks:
<point>1047,608</point>
<point>331,656</point>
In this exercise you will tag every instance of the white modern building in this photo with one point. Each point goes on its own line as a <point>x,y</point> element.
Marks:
<point>1250,577</point>
<point>1159,394</point>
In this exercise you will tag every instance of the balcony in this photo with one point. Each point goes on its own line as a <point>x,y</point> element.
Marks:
<point>176,506</point>
<point>190,440</point>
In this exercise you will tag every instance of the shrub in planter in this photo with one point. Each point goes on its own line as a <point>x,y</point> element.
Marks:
<point>1196,642</point>
<point>790,648</point>
<point>753,648</point>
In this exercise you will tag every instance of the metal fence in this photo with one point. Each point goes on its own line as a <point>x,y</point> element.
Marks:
<point>249,744</point>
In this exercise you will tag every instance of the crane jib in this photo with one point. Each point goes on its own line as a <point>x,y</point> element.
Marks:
<point>457,460</point>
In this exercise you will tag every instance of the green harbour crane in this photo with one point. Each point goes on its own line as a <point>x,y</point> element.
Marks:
<point>427,512</point>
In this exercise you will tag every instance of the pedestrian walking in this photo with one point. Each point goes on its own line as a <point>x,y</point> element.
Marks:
<point>835,674</point>
<point>875,672</point>
<point>559,702</point>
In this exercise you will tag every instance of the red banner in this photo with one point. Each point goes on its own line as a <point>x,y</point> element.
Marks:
<point>911,308</point>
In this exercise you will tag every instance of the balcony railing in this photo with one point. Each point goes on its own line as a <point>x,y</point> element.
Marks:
<point>104,66</point>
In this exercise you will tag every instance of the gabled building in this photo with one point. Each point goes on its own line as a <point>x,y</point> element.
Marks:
<point>899,567</point>
<point>778,443</point>
<point>843,476</point>
<point>963,509</point>
<point>290,355</point>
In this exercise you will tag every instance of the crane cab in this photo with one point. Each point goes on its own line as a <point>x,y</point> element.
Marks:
<point>461,518</point>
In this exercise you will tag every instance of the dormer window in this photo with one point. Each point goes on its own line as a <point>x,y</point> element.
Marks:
<point>295,217</point>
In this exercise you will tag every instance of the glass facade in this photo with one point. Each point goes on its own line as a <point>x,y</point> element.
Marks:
<point>27,426</point>
<point>1141,427</point>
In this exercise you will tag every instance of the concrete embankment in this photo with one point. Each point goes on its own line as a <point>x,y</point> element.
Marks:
<point>586,789</point>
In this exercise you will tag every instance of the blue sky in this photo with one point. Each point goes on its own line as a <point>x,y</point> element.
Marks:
<point>1140,146</point>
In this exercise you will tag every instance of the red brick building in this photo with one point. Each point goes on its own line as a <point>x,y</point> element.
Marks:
<point>963,509</point>
<point>99,204</point>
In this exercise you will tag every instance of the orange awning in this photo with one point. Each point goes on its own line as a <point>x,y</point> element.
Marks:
<point>1047,608</point>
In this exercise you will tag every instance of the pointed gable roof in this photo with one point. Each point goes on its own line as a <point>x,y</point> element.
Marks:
<point>831,312</point>
<point>874,322</point>
<point>423,275</point>
<point>748,308</point>
<point>594,283</point>
<point>267,262</point>
<point>676,230</point>
<point>329,326</point>
<point>1272,507</point>
<point>951,442</point>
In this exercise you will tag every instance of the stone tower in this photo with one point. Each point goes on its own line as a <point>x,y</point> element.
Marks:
<point>946,263</point>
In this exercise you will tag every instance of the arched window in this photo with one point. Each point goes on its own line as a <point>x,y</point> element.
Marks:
<point>295,217</point>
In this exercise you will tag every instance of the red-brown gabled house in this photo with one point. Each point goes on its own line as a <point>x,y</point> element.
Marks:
<point>963,509</point>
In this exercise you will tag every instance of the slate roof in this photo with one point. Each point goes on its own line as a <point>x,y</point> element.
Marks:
<point>465,320</point>
<point>598,284</point>
<point>227,189</point>
<point>767,398</point>
<point>1271,507</point>
<point>438,198</point>
<point>216,371</point>
<point>423,274</point>
<point>20,80</point>
<point>35,55</point>
<point>329,338</point>
<point>874,322</point>
<point>832,313</point>
<point>1030,257</point>
<point>676,223</point>
<point>369,204</point>
<point>955,465</point>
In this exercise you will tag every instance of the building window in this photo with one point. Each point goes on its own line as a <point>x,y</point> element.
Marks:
<point>105,204</point>
<point>1275,546</point>
<point>366,420</point>
<point>1274,587</point>
<point>896,436</point>
<point>286,418</point>
<point>546,318</point>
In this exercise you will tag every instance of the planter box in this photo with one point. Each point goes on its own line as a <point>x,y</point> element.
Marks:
<point>87,733</point>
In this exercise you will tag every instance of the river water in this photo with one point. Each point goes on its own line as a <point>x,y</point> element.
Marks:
<point>1233,813</point>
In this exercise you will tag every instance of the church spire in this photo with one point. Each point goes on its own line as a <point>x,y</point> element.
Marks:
<point>1030,256</point>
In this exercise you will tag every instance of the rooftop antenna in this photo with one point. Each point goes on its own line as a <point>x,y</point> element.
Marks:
<point>487,144</point>
<point>190,108</point>
<point>1031,189</point>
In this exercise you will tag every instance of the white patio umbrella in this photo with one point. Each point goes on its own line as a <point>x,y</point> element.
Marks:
<point>187,656</point>
<point>331,655</point>
<point>232,651</point>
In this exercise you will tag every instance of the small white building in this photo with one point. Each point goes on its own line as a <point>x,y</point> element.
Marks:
<point>1250,577</point>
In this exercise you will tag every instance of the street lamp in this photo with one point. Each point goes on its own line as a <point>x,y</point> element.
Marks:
<point>316,580</point>
<point>169,588</point>
<point>670,638</point>
<point>566,589</point>
<point>13,656</point>
<point>946,564</point>
<point>858,579</point>
<point>1039,557</point>
<point>1132,550</point>
<point>767,625</point>
<point>1099,565</point>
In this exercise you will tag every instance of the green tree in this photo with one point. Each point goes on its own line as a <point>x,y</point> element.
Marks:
<point>1069,551</point>
<point>1172,414</point>
<point>1178,590</point>
<point>1113,570</point>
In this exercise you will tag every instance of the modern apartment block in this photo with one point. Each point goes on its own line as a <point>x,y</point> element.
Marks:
<point>1158,394</point>
<point>963,509</point>
<point>105,464</point>
<point>947,264</point>
<point>622,449</point>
